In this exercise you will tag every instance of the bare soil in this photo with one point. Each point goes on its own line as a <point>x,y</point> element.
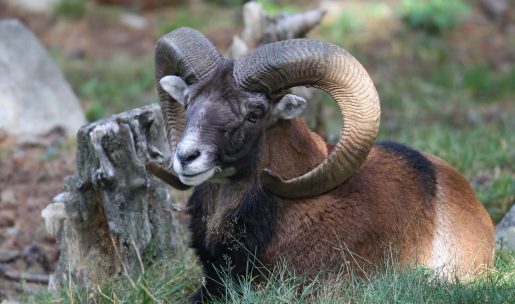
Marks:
<point>31,174</point>
<point>101,33</point>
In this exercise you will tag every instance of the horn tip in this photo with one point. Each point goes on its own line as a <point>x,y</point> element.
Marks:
<point>157,170</point>
<point>152,166</point>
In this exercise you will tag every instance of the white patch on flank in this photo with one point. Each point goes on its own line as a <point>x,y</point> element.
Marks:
<point>443,258</point>
<point>440,252</point>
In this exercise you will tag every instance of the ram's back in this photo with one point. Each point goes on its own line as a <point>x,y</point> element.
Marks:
<point>401,205</point>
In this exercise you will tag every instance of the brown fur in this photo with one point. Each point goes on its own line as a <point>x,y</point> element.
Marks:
<point>399,206</point>
<point>380,210</point>
<point>473,228</point>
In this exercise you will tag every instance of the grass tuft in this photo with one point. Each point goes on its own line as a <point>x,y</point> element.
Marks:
<point>171,280</point>
<point>70,9</point>
<point>433,16</point>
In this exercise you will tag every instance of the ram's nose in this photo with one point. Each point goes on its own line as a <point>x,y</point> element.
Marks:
<point>187,156</point>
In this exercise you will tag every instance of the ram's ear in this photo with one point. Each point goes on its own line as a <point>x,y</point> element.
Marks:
<point>176,87</point>
<point>288,107</point>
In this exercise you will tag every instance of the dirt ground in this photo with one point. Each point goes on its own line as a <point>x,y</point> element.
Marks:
<point>99,34</point>
<point>30,175</point>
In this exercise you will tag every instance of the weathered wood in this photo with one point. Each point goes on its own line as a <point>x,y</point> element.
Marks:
<point>261,28</point>
<point>113,217</point>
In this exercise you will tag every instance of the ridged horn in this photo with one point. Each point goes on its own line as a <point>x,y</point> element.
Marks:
<point>188,54</point>
<point>303,62</point>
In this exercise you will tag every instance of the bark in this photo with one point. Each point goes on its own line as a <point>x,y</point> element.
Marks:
<point>113,218</point>
<point>261,28</point>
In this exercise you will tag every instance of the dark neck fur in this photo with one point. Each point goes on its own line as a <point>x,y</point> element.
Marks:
<point>233,223</point>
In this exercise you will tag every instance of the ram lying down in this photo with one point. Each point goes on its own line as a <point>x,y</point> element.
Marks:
<point>267,189</point>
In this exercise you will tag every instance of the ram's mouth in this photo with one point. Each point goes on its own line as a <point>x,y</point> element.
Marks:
<point>222,174</point>
<point>196,179</point>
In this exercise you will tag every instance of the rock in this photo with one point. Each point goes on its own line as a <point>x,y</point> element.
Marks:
<point>134,21</point>
<point>7,197</point>
<point>35,5</point>
<point>505,230</point>
<point>34,96</point>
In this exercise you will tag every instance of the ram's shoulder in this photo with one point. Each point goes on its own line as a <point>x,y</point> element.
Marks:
<point>390,160</point>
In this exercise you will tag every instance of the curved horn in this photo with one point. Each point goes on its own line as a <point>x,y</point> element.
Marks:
<point>303,62</point>
<point>188,54</point>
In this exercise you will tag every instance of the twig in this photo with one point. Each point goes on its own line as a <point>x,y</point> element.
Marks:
<point>14,275</point>
<point>10,257</point>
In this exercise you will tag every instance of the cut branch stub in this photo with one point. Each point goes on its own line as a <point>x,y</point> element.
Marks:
<point>113,212</point>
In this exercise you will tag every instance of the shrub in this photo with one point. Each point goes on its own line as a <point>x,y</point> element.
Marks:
<point>70,9</point>
<point>433,16</point>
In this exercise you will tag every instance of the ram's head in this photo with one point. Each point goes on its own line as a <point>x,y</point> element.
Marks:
<point>216,110</point>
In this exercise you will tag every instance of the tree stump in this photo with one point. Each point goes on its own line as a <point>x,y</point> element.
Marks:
<point>113,217</point>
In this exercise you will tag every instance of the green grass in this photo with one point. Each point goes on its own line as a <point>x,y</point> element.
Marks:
<point>109,86</point>
<point>171,280</point>
<point>70,9</point>
<point>207,16</point>
<point>182,17</point>
<point>433,16</point>
<point>274,7</point>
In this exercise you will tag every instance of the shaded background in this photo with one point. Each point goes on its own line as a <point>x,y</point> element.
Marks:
<point>444,71</point>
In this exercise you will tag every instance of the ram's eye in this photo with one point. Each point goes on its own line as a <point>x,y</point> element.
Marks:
<point>254,116</point>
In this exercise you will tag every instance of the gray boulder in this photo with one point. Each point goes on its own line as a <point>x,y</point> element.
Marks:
<point>505,230</point>
<point>34,96</point>
<point>34,5</point>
